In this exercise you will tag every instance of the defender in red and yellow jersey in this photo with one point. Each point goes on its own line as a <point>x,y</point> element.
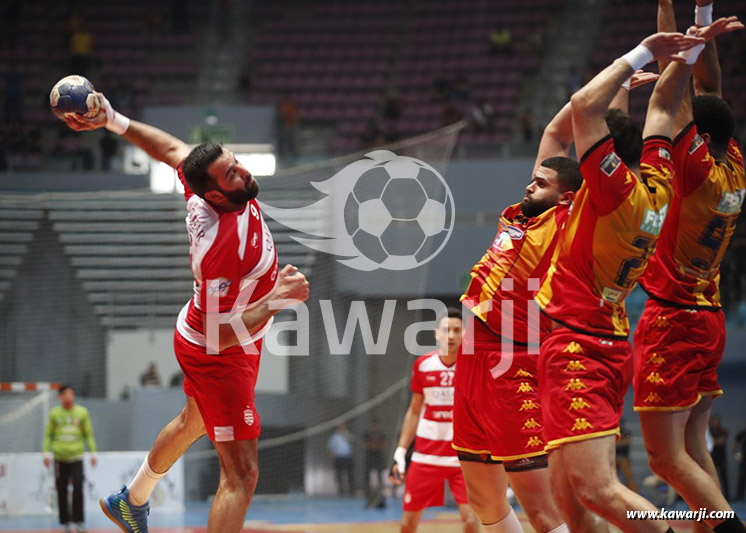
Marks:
<point>585,365</point>
<point>680,338</point>
<point>497,365</point>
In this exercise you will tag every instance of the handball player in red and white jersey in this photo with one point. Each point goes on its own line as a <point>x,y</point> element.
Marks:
<point>219,332</point>
<point>434,462</point>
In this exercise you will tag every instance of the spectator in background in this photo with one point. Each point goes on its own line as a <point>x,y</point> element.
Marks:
<point>288,130</point>
<point>719,455</point>
<point>151,377</point>
<point>526,125</point>
<point>340,454</point>
<point>442,87</point>
<point>177,380</point>
<point>461,92</point>
<point>374,442</point>
<point>109,145</point>
<point>81,45</point>
<point>622,456</point>
<point>12,93</point>
<point>68,428</point>
<point>500,41</point>
<point>392,105</point>
<point>740,448</point>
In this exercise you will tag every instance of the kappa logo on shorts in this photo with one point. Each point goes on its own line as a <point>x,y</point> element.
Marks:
<point>697,141</point>
<point>581,424</point>
<point>521,373</point>
<point>573,347</point>
<point>248,416</point>
<point>610,163</point>
<point>574,366</point>
<point>656,359</point>
<point>524,387</point>
<point>531,423</point>
<point>528,405</point>
<point>408,498</point>
<point>578,404</point>
<point>655,378</point>
<point>661,321</point>
<point>575,384</point>
<point>653,397</point>
<point>534,442</point>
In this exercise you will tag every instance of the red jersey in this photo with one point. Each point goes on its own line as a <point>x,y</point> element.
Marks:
<point>685,269</point>
<point>609,236</point>
<point>231,252</point>
<point>511,271</point>
<point>434,380</point>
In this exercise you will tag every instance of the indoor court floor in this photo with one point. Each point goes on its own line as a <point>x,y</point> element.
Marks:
<point>288,514</point>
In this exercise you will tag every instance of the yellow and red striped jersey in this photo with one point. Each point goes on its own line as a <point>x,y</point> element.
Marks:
<point>511,271</point>
<point>608,238</point>
<point>708,195</point>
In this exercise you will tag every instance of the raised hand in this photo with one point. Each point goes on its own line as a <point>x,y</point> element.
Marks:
<point>292,285</point>
<point>641,78</point>
<point>718,27</point>
<point>666,46</point>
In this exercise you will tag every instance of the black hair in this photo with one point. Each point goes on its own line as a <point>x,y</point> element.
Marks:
<point>451,312</point>
<point>195,167</point>
<point>713,115</point>
<point>627,135</point>
<point>63,388</point>
<point>568,172</point>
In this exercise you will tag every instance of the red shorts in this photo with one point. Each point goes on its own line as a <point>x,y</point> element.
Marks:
<point>425,486</point>
<point>499,417</point>
<point>677,352</point>
<point>583,380</point>
<point>223,387</point>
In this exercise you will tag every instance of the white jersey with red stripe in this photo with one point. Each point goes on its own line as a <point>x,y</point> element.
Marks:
<point>234,262</point>
<point>434,380</point>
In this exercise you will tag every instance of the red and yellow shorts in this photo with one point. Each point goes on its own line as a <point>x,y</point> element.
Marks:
<point>499,417</point>
<point>677,352</point>
<point>425,486</point>
<point>583,380</point>
<point>223,388</point>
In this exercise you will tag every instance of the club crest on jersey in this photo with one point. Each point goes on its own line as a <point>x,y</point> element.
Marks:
<point>653,220</point>
<point>697,141</point>
<point>664,153</point>
<point>514,233</point>
<point>731,202</point>
<point>610,163</point>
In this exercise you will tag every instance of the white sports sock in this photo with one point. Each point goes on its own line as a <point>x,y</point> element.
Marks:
<point>561,529</point>
<point>509,524</point>
<point>143,484</point>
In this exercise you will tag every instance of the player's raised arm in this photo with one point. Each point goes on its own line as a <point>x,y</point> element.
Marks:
<point>707,74</point>
<point>155,142</point>
<point>591,102</point>
<point>408,430</point>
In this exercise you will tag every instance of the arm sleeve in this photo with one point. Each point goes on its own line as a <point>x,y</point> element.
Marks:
<point>608,179</point>
<point>692,160</point>
<point>416,377</point>
<point>188,193</point>
<point>48,433</point>
<point>88,433</point>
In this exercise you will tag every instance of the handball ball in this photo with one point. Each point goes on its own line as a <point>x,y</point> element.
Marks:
<point>74,94</point>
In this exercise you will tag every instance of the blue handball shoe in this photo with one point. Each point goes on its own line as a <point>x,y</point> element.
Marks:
<point>130,518</point>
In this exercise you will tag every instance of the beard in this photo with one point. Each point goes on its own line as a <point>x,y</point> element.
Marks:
<point>241,197</point>
<point>533,208</point>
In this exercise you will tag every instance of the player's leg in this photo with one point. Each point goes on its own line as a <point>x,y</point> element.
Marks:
<point>410,520</point>
<point>76,473</point>
<point>469,518</point>
<point>534,493</point>
<point>239,472</point>
<point>626,469</point>
<point>665,439</point>
<point>578,518</point>
<point>591,469</point>
<point>61,480</point>
<point>172,442</point>
<point>486,486</point>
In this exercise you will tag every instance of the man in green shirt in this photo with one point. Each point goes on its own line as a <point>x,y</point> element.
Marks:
<point>69,425</point>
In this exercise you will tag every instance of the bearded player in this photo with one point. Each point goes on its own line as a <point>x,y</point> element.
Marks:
<point>434,462</point>
<point>680,338</point>
<point>218,336</point>
<point>585,365</point>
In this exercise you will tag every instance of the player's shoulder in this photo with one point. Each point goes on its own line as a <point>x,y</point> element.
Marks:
<point>430,362</point>
<point>511,212</point>
<point>735,154</point>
